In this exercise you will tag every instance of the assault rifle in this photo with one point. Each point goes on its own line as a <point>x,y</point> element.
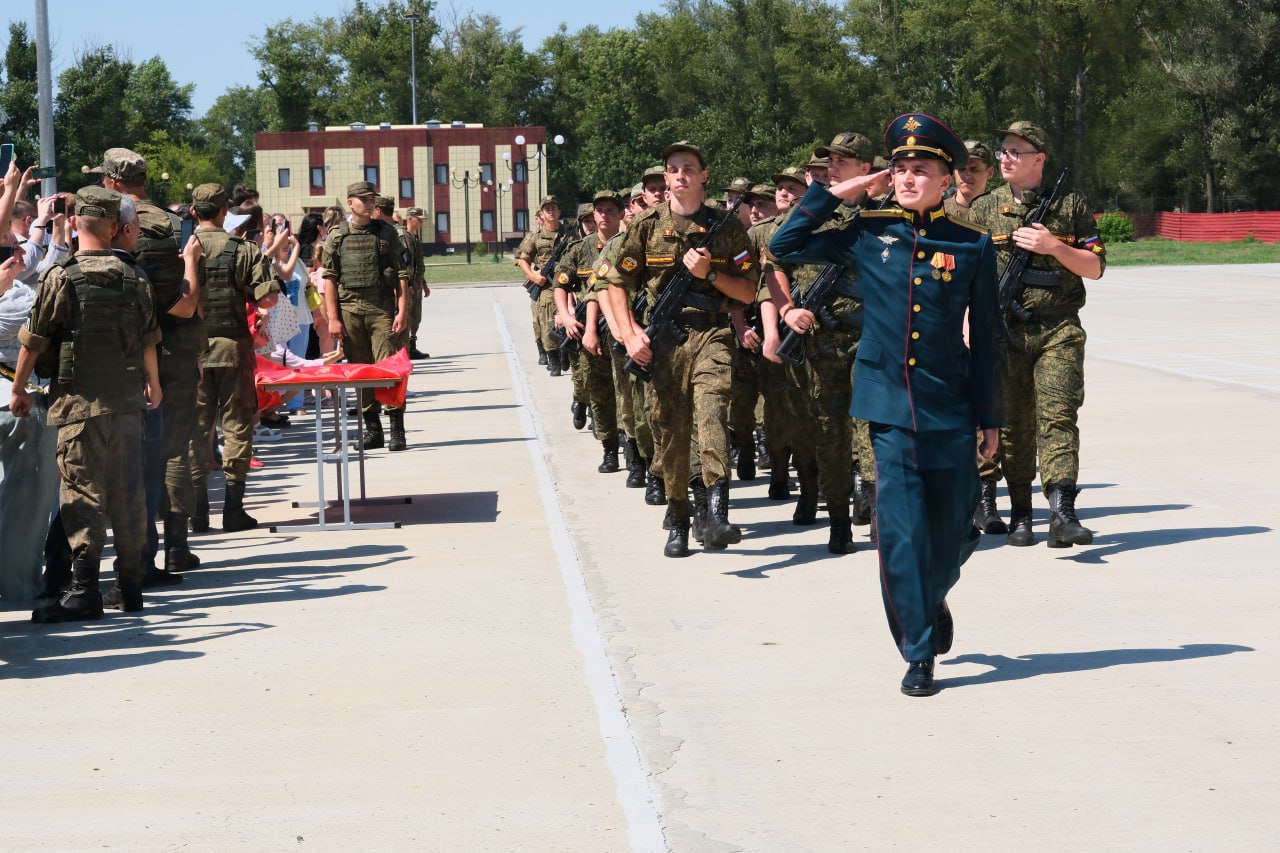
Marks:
<point>580,314</point>
<point>1011,286</point>
<point>548,270</point>
<point>817,299</point>
<point>663,330</point>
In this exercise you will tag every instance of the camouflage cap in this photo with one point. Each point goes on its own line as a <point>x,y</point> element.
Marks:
<point>416,212</point>
<point>848,144</point>
<point>658,171</point>
<point>764,191</point>
<point>360,189</point>
<point>386,204</point>
<point>586,210</point>
<point>606,195</point>
<point>548,201</point>
<point>1028,131</point>
<point>122,165</point>
<point>979,151</point>
<point>880,163</point>
<point>636,192</point>
<point>98,202</point>
<point>739,185</point>
<point>816,162</point>
<point>791,173</point>
<point>209,196</point>
<point>684,145</point>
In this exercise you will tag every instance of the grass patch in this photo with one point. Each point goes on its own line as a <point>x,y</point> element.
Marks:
<point>454,269</point>
<point>1158,250</point>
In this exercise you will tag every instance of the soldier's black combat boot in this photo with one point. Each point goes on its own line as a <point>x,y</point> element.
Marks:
<point>807,506</point>
<point>57,564</point>
<point>414,352</point>
<point>81,601</point>
<point>747,461</point>
<point>397,441</point>
<point>234,518</point>
<point>764,459</point>
<point>372,430</point>
<point>553,362</point>
<point>987,517</point>
<point>635,464</point>
<point>677,540</point>
<point>177,556</point>
<point>579,411</point>
<point>720,533</point>
<point>1020,533</point>
<point>1065,528</point>
<point>840,540</point>
<point>125,595</point>
<point>861,513</point>
<point>200,521</point>
<point>609,464</point>
<point>698,491</point>
<point>566,362</point>
<point>655,493</point>
<point>542,354</point>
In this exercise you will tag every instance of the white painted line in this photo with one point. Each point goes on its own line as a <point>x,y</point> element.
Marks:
<point>636,795</point>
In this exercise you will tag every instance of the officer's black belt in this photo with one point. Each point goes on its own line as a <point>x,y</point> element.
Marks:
<point>1041,278</point>
<point>701,321</point>
<point>704,301</point>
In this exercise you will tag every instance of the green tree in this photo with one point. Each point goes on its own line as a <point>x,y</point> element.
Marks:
<point>295,66</point>
<point>181,161</point>
<point>86,115</point>
<point>153,101</point>
<point>227,130</point>
<point>18,93</point>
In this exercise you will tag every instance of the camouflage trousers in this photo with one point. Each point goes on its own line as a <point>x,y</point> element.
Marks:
<point>691,388</point>
<point>644,403</point>
<point>596,372</point>
<point>1043,392</point>
<point>100,461</point>
<point>746,393</point>
<point>544,318</point>
<point>624,396</point>
<point>180,382</point>
<point>415,309</point>
<point>830,394</point>
<point>229,392</point>
<point>788,423</point>
<point>369,340</point>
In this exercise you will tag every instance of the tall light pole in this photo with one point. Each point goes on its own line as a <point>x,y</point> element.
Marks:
<point>44,96</point>
<point>501,189</point>
<point>413,18</point>
<point>466,183</point>
<point>558,139</point>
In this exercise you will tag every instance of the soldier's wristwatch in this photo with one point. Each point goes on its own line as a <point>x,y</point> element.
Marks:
<point>711,277</point>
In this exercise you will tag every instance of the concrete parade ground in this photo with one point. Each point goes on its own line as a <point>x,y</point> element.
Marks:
<point>518,668</point>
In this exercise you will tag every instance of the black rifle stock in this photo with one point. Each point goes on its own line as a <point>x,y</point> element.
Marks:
<point>662,328</point>
<point>548,270</point>
<point>1011,286</point>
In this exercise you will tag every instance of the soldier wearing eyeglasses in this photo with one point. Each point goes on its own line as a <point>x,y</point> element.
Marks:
<point>1044,372</point>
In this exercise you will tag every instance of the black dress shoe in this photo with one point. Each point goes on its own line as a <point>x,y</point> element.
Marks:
<point>919,679</point>
<point>946,627</point>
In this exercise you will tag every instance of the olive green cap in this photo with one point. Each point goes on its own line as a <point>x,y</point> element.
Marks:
<point>122,165</point>
<point>547,201</point>
<point>637,191</point>
<point>1028,131</point>
<point>658,171</point>
<point>739,185</point>
<point>816,162</point>
<point>98,202</point>
<point>606,195</point>
<point>586,210</point>
<point>684,145</point>
<point>979,151</point>
<point>416,212</point>
<point>764,191</point>
<point>791,173</point>
<point>848,144</point>
<point>386,204</point>
<point>360,189</point>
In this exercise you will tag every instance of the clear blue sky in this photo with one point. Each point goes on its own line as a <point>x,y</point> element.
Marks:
<point>224,28</point>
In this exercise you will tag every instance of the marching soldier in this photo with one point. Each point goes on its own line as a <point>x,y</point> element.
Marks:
<point>411,240</point>
<point>1044,377</point>
<point>531,255</point>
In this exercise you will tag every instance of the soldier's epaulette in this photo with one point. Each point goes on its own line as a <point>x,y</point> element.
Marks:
<point>646,214</point>
<point>965,223</point>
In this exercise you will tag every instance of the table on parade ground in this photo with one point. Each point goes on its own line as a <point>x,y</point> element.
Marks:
<point>338,379</point>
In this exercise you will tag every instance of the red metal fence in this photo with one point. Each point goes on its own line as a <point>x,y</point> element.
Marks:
<point>1209,227</point>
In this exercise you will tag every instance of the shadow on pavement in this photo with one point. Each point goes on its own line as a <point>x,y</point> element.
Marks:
<point>1106,545</point>
<point>1005,668</point>
<point>461,442</point>
<point>803,555</point>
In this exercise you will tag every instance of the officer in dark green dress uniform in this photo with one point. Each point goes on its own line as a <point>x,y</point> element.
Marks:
<point>921,389</point>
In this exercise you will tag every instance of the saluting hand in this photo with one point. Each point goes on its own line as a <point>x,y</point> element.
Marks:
<point>876,183</point>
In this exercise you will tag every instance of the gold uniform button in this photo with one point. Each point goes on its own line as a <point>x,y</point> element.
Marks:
<point>920,255</point>
<point>915,336</point>
<point>923,232</point>
<point>911,362</point>
<point>917,280</point>
<point>915,308</point>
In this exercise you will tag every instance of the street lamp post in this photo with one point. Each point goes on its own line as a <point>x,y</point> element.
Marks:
<point>413,18</point>
<point>558,139</point>
<point>466,183</point>
<point>501,189</point>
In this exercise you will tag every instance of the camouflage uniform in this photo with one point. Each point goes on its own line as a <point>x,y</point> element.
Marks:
<point>1043,378</point>
<point>536,249</point>
<point>97,404</point>
<point>411,256</point>
<point>596,371</point>
<point>691,382</point>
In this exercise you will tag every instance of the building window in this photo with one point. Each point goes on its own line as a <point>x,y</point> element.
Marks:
<point>371,175</point>
<point>406,188</point>
<point>520,173</point>
<point>442,173</point>
<point>486,173</point>
<point>317,177</point>
<point>282,175</point>
<point>442,223</point>
<point>486,220</point>
<point>522,220</point>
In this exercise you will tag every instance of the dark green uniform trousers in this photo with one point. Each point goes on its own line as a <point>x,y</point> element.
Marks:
<point>100,461</point>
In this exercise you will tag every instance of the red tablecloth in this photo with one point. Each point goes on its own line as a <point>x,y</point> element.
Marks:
<point>397,367</point>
